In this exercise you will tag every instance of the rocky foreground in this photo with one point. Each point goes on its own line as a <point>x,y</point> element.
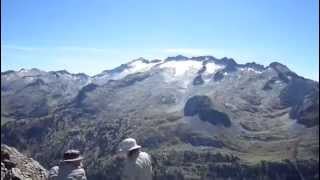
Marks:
<point>16,166</point>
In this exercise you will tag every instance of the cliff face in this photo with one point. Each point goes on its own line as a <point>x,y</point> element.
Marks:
<point>247,119</point>
<point>16,166</point>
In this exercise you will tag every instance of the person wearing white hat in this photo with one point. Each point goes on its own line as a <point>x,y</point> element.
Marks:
<point>70,167</point>
<point>138,164</point>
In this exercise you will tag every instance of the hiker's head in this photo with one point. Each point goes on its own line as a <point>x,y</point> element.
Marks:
<point>72,157</point>
<point>129,146</point>
<point>133,154</point>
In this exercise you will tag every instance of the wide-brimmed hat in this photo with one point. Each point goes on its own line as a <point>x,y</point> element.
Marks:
<point>72,155</point>
<point>128,144</point>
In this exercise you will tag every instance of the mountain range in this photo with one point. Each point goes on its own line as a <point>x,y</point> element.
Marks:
<point>199,117</point>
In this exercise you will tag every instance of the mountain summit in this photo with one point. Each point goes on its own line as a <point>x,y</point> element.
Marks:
<point>199,117</point>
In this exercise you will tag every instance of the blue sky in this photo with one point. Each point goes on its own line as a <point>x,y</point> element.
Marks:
<point>93,35</point>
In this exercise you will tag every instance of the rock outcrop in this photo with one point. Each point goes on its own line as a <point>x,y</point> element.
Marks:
<point>16,166</point>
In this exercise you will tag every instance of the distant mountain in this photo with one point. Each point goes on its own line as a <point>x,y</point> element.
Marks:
<point>199,117</point>
<point>35,93</point>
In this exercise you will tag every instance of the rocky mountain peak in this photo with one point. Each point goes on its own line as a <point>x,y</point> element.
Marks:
<point>63,72</point>
<point>203,58</point>
<point>176,58</point>
<point>227,61</point>
<point>280,68</point>
<point>29,72</point>
<point>254,66</point>
<point>7,72</point>
<point>156,61</point>
<point>141,59</point>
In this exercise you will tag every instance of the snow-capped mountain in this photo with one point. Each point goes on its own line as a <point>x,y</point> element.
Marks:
<point>135,66</point>
<point>176,67</point>
<point>192,115</point>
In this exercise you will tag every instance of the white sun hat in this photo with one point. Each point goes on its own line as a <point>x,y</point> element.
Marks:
<point>128,145</point>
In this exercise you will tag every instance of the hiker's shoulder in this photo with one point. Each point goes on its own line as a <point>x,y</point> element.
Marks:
<point>144,155</point>
<point>79,170</point>
<point>54,169</point>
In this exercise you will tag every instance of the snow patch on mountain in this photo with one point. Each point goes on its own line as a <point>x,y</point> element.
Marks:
<point>134,67</point>
<point>250,70</point>
<point>180,73</point>
<point>140,66</point>
<point>182,67</point>
<point>212,68</point>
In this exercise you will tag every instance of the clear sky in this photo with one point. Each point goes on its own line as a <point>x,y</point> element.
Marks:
<point>93,35</point>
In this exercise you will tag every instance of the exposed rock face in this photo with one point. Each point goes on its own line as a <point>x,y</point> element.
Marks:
<point>15,166</point>
<point>202,106</point>
<point>302,96</point>
<point>239,114</point>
